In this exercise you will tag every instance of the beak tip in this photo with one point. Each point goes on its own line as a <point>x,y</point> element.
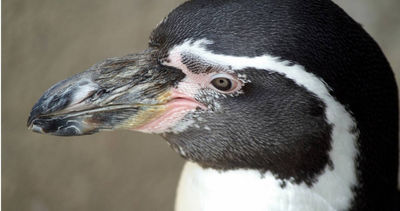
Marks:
<point>33,115</point>
<point>32,126</point>
<point>30,121</point>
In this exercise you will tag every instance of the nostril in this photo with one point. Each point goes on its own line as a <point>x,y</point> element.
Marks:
<point>91,94</point>
<point>99,92</point>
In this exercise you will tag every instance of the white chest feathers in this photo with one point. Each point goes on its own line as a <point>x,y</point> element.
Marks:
<point>210,190</point>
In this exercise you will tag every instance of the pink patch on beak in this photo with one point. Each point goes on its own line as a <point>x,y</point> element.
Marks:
<point>179,105</point>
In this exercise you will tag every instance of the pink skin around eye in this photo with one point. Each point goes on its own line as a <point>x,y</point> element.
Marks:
<point>182,99</point>
<point>192,83</point>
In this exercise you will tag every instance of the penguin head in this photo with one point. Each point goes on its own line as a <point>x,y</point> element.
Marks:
<point>291,87</point>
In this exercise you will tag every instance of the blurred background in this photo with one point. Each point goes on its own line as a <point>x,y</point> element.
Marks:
<point>45,41</point>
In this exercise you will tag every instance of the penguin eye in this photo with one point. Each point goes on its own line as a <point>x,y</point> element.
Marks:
<point>224,83</point>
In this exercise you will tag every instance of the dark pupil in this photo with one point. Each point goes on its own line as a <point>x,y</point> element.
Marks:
<point>222,84</point>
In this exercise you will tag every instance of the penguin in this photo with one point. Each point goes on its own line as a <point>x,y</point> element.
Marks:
<point>275,105</point>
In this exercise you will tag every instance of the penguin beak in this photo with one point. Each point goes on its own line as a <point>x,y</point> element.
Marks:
<point>125,92</point>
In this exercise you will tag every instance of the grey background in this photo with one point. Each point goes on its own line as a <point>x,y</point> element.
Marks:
<point>45,41</point>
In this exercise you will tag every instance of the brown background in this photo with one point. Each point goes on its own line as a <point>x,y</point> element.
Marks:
<point>45,41</point>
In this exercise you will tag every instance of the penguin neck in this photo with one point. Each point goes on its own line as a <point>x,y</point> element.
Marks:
<point>245,189</point>
<point>250,189</point>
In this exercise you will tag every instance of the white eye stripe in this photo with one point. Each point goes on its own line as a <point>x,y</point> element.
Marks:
<point>198,65</point>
